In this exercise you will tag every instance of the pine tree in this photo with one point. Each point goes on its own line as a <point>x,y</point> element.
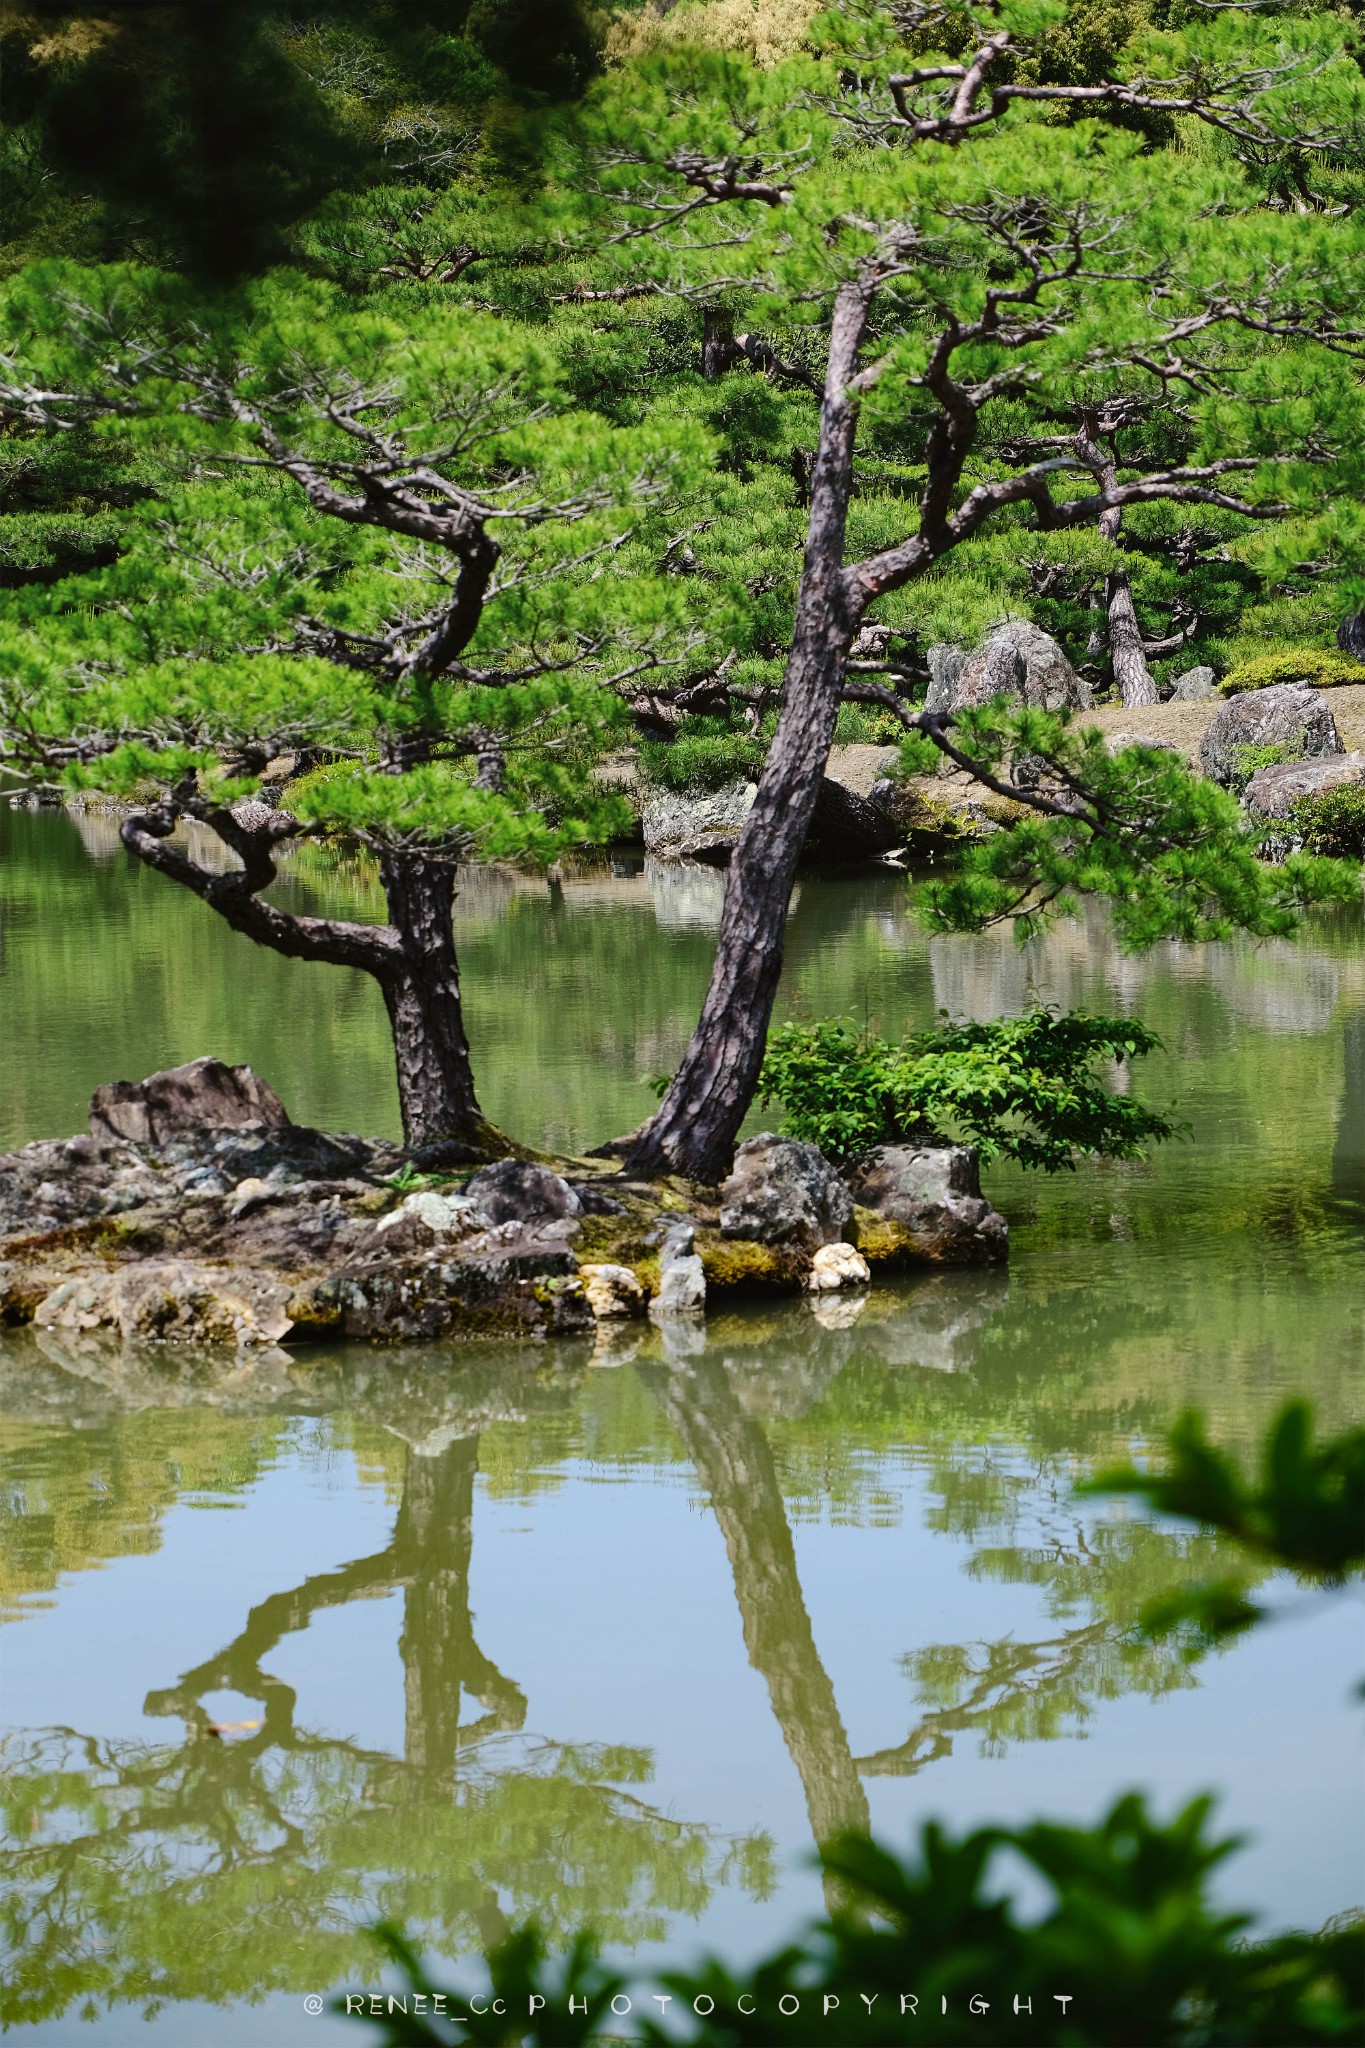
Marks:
<point>399,551</point>
<point>1024,307</point>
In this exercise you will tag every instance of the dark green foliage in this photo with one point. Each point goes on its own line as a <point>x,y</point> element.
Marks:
<point>200,135</point>
<point>1323,668</point>
<point>63,504</point>
<point>1332,823</point>
<point>706,755</point>
<point>1024,1087</point>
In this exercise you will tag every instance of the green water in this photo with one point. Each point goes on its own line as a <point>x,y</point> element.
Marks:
<point>616,1634</point>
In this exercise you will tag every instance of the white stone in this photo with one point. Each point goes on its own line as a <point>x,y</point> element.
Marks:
<point>443,1215</point>
<point>835,1266</point>
<point>612,1291</point>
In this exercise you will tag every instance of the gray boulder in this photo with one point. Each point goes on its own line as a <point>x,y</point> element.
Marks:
<point>678,827</point>
<point>203,1095</point>
<point>1020,660</point>
<point>784,1192</point>
<point>682,1289</point>
<point>928,1197</point>
<point>1287,715</point>
<point>945,673</point>
<point>1273,791</point>
<point>1196,686</point>
<point>704,828</point>
<point>517,1191</point>
<point>682,1279</point>
<point>847,826</point>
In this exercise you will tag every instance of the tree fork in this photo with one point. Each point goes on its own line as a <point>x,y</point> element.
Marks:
<point>413,959</point>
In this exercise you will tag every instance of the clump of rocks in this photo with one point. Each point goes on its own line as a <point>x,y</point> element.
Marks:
<point>195,1211</point>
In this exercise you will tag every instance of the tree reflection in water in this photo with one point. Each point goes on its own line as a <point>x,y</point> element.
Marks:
<point>221,1866</point>
<point>240,1860</point>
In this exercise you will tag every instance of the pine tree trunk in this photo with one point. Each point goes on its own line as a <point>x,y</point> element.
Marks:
<point>422,995</point>
<point>1127,657</point>
<point>693,1132</point>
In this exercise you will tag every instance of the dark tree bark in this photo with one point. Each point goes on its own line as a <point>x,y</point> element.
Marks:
<point>694,1129</point>
<point>718,349</point>
<point>421,985</point>
<point>1351,635</point>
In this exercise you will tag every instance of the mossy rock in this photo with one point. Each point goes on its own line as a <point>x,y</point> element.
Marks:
<point>884,1242</point>
<point>741,1265</point>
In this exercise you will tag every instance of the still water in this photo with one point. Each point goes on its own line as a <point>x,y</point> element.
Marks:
<point>614,1635</point>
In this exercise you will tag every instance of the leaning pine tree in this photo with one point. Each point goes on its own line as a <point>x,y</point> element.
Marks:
<point>1039,319</point>
<point>387,545</point>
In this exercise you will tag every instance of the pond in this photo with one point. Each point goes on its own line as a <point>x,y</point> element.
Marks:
<point>458,1637</point>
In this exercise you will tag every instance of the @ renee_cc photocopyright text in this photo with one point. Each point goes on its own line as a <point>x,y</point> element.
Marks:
<point>456,2009</point>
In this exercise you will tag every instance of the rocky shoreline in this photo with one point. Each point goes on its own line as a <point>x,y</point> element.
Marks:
<point>194,1211</point>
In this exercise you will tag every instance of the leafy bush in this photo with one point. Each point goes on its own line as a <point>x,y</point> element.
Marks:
<point>1332,823</point>
<point>1324,667</point>
<point>706,755</point>
<point>1022,1086</point>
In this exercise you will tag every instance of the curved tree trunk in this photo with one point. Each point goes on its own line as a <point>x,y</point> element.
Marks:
<point>421,985</point>
<point>412,958</point>
<point>694,1129</point>
<point>1127,655</point>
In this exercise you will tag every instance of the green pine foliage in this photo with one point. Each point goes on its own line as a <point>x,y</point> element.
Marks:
<point>1025,1088</point>
<point>1305,1511</point>
<point>1168,852</point>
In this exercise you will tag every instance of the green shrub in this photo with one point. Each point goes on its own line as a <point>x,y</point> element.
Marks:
<point>1246,761</point>
<point>1332,823</point>
<point>707,754</point>
<point>1323,667</point>
<point>1021,1086</point>
<point>867,725</point>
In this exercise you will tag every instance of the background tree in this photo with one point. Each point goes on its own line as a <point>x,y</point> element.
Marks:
<point>982,269</point>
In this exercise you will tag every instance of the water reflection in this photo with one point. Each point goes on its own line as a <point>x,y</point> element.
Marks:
<point>253,1848</point>
<point>732,1458</point>
<point>255,1852</point>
